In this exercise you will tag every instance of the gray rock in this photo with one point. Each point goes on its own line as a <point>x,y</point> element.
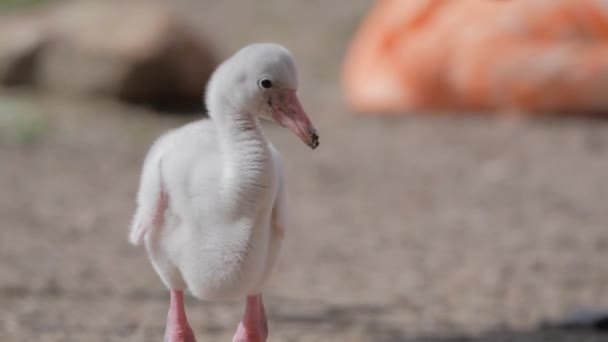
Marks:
<point>136,52</point>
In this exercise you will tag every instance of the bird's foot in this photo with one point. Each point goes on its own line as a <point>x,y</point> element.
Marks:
<point>253,327</point>
<point>249,335</point>
<point>182,335</point>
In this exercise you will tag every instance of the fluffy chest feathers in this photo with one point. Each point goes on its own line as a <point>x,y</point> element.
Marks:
<point>205,178</point>
<point>248,175</point>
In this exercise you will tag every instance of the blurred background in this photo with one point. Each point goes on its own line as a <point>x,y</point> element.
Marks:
<point>457,226</point>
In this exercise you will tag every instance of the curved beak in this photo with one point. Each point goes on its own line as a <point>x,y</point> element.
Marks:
<point>288,112</point>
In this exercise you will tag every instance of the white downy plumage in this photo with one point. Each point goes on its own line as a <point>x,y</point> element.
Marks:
<point>212,200</point>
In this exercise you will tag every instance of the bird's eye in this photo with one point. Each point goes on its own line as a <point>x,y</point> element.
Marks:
<point>266,83</point>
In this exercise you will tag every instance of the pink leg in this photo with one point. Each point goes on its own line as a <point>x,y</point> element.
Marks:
<point>178,329</point>
<point>253,327</point>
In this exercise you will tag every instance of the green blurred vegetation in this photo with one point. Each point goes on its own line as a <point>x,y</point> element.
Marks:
<point>15,4</point>
<point>22,123</point>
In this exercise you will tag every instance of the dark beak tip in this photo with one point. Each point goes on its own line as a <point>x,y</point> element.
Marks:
<point>314,141</point>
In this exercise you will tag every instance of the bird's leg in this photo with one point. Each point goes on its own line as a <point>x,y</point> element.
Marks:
<point>253,327</point>
<point>178,329</point>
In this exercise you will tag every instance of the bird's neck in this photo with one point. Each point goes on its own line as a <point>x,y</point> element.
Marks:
<point>245,158</point>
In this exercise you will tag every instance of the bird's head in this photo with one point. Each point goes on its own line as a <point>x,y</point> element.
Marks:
<point>262,79</point>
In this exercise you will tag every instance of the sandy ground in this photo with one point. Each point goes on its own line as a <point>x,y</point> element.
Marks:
<point>414,228</point>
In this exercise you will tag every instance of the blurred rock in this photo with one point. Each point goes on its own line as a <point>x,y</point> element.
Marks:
<point>21,44</point>
<point>137,52</point>
<point>583,319</point>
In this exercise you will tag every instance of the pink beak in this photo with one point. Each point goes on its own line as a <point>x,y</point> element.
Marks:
<point>288,112</point>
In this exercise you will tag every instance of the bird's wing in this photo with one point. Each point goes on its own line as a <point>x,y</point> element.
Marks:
<point>279,209</point>
<point>152,199</point>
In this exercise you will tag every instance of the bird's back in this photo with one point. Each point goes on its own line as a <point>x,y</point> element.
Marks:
<point>185,165</point>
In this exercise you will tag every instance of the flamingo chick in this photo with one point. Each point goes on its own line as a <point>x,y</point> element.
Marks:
<point>211,206</point>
